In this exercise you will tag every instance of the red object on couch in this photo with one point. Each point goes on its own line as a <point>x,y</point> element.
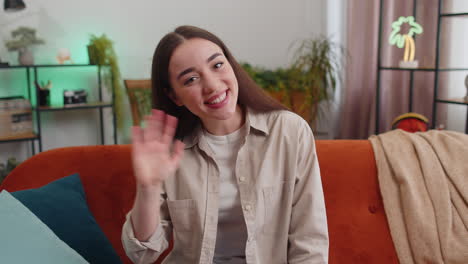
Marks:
<point>411,122</point>
<point>357,223</point>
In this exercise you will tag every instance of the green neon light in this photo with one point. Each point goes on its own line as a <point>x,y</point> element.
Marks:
<point>405,40</point>
<point>399,39</point>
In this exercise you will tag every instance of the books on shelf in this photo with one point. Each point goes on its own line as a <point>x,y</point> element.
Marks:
<point>15,117</point>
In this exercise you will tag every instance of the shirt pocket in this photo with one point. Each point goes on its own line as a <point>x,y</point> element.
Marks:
<point>183,214</point>
<point>277,204</point>
<point>184,218</point>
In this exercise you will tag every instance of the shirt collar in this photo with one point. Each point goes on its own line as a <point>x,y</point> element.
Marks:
<point>255,120</point>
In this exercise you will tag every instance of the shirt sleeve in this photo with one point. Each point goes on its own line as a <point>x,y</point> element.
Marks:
<point>143,252</point>
<point>308,231</point>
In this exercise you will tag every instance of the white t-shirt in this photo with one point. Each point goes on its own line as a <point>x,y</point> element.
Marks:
<point>232,232</point>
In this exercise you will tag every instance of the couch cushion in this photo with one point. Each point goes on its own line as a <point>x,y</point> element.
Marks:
<point>62,206</point>
<point>25,239</point>
<point>105,172</point>
<point>357,223</point>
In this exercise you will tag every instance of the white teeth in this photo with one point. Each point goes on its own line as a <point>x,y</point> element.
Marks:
<point>219,99</point>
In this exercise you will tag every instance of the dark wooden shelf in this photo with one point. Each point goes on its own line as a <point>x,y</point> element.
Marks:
<point>34,70</point>
<point>19,137</point>
<point>45,66</point>
<point>422,69</point>
<point>453,14</point>
<point>459,101</point>
<point>74,106</point>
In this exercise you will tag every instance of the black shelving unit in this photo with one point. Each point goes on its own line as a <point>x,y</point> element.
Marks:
<point>437,100</point>
<point>37,110</point>
<point>436,69</point>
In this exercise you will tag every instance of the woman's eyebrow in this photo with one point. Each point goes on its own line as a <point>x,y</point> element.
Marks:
<point>191,69</point>
<point>212,57</point>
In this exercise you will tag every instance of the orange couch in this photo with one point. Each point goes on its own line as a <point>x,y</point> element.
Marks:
<point>357,223</point>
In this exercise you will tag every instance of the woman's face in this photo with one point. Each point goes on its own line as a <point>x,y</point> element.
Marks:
<point>203,80</point>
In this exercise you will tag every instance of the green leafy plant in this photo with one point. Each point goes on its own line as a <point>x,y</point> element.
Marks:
<point>317,68</point>
<point>101,52</point>
<point>5,169</point>
<point>144,101</point>
<point>311,77</point>
<point>274,82</point>
<point>23,37</point>
<point>270,80</point>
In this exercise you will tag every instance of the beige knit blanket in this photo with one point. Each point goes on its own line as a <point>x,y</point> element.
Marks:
<point>423,179</point>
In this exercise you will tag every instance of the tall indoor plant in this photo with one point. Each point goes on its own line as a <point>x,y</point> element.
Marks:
<point>314,73</point>
<point>101,52</point>
<point>309,80</point>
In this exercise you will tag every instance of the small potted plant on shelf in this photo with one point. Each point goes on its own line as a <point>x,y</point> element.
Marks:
<point>101,52</point>
<point>23,38</point>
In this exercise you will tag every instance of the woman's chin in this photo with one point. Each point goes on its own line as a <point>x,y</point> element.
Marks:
<point>226,114</point>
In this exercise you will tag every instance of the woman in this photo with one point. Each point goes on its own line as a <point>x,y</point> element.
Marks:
<point>244,185</point>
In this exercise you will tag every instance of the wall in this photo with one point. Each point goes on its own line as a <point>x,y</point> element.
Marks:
<point>258,32</point>
<point>336,30</point>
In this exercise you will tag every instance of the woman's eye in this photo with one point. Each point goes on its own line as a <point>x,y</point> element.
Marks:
<point>190,80</point>
<point>218,65</point>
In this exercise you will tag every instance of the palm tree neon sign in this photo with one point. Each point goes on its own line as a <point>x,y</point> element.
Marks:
<point>406,40</point>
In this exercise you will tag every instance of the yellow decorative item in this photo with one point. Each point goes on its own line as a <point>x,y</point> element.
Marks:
<point>406,40</point>
<point>410,115</point>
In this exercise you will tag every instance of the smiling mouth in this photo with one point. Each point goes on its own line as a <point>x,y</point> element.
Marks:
<point>218,99</point>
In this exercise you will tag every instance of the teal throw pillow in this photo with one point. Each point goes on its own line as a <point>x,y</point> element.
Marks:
<point>62,206</point>
<point>25,239</point>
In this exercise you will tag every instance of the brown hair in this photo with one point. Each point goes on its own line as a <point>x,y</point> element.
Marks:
<point>250,94</point>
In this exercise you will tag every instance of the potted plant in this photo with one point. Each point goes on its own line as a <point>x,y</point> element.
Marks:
<point>274,82</point>
<point>5,169</point>
<point>101,52</point>
<point>23,38</point>
<point>314,73</point>
<point>310,79</point>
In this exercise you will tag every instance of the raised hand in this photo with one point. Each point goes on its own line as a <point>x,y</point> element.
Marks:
<point>153,160</point>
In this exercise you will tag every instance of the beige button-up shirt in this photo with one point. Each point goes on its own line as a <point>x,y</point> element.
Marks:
<point>280,190</point>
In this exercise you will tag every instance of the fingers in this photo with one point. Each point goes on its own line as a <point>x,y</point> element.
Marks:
<point>154,125</point>
<point>169,129</point>
<point>160,127</point>
<point>137,135</point>
<point>137,138</point>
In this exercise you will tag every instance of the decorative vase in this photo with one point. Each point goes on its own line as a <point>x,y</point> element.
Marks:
<point>25,56</point>
<point>299,105</point>
<point>44,97</point>
<point>93,55</point>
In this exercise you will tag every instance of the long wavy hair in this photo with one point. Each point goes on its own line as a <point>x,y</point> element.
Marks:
<point>250,94</point>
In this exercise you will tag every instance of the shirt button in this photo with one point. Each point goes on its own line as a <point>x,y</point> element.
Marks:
<point>242,179</point>
<point>248,207</point>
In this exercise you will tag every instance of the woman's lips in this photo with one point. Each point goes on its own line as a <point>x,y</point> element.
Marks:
<point>221,103</point>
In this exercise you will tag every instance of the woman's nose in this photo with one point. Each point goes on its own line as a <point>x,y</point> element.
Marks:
<point>210,83</point>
